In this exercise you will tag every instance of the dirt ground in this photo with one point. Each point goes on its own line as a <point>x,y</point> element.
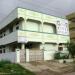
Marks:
<point>73,73</point>
<point>50,68</point>
<point>52,73</point>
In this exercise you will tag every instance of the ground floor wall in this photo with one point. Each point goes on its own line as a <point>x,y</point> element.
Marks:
<point>49,50</point>
<point>33,51</point>
<point>45,52</point>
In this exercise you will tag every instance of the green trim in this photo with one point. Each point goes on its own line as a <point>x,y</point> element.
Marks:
<point>43,32</point>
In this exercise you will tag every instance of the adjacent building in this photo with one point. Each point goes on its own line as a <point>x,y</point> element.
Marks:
<point>71,18</point>
<point>36,35</point>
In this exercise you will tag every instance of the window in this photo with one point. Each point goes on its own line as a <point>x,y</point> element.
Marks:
<point>0,51</point>
<point>17,27</point>
<point>33,25</point>
<point>1,36</point>
<point>11,29</point>
<point>60,48</point>
<point>3,50</point>
<point>17,23</point>
<point>49,28</point>
<point>4,34</point>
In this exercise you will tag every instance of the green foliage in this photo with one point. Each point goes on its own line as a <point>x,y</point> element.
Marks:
<point>59,55</point>
<point>71,49</point>
<point>13,69</point>
<point>3,62</point>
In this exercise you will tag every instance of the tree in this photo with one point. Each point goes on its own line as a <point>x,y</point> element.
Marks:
<point>71,49</point>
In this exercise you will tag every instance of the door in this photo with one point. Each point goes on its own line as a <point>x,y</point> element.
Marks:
<point>35,55</point>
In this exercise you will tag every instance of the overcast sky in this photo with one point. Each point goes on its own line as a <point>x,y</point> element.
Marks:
<point>53,7</point>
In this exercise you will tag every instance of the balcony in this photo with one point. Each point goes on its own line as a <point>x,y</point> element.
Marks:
<point>42,37</point>
<point>12,37</point>
<point>37,36</point>
<point>24,36</point>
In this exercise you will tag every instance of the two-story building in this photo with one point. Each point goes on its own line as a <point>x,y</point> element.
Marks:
<point>36,35</point>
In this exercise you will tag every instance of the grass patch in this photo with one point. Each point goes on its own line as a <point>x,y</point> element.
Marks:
<point>13,69</point>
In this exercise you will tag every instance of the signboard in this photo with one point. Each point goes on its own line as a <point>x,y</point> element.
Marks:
<point>62,27</point>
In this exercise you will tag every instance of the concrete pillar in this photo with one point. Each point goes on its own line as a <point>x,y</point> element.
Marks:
<point>18,55</point>
<point>27,55</point>
<point>41,26</point>
<point>22,46</point>
<point>57,46</point>
<point>43,48</point>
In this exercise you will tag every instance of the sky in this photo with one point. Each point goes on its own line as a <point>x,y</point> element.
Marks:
<point>58,8</point>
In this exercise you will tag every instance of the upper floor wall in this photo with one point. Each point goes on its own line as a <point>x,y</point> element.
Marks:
<point>48,23</point>
<point>35,21</point>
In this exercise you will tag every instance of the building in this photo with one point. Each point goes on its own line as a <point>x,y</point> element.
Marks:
<point>32,35</point>
<point>71,18</point>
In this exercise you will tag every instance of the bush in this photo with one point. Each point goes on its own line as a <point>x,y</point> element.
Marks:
<point>59,55</point>
<point>3,62</point>
<point>71,49</point>
<point>9,68</point>
<point>64,55</point>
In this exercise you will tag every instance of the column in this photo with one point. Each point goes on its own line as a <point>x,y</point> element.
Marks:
<point>27,55</point>
<point>22,53</point>
<point>22,46</point>
<point>43,48</point>
<point>17,55</point>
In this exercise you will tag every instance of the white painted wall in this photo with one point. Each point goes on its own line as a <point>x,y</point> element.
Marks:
<point>49,50</point>
<point>10,56</point>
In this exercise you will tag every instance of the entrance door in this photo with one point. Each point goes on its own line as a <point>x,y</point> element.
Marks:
<point>35,55</point>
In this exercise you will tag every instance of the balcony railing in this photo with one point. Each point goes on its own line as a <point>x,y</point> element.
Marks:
<point>12,37</point>
<point>42,36</point>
